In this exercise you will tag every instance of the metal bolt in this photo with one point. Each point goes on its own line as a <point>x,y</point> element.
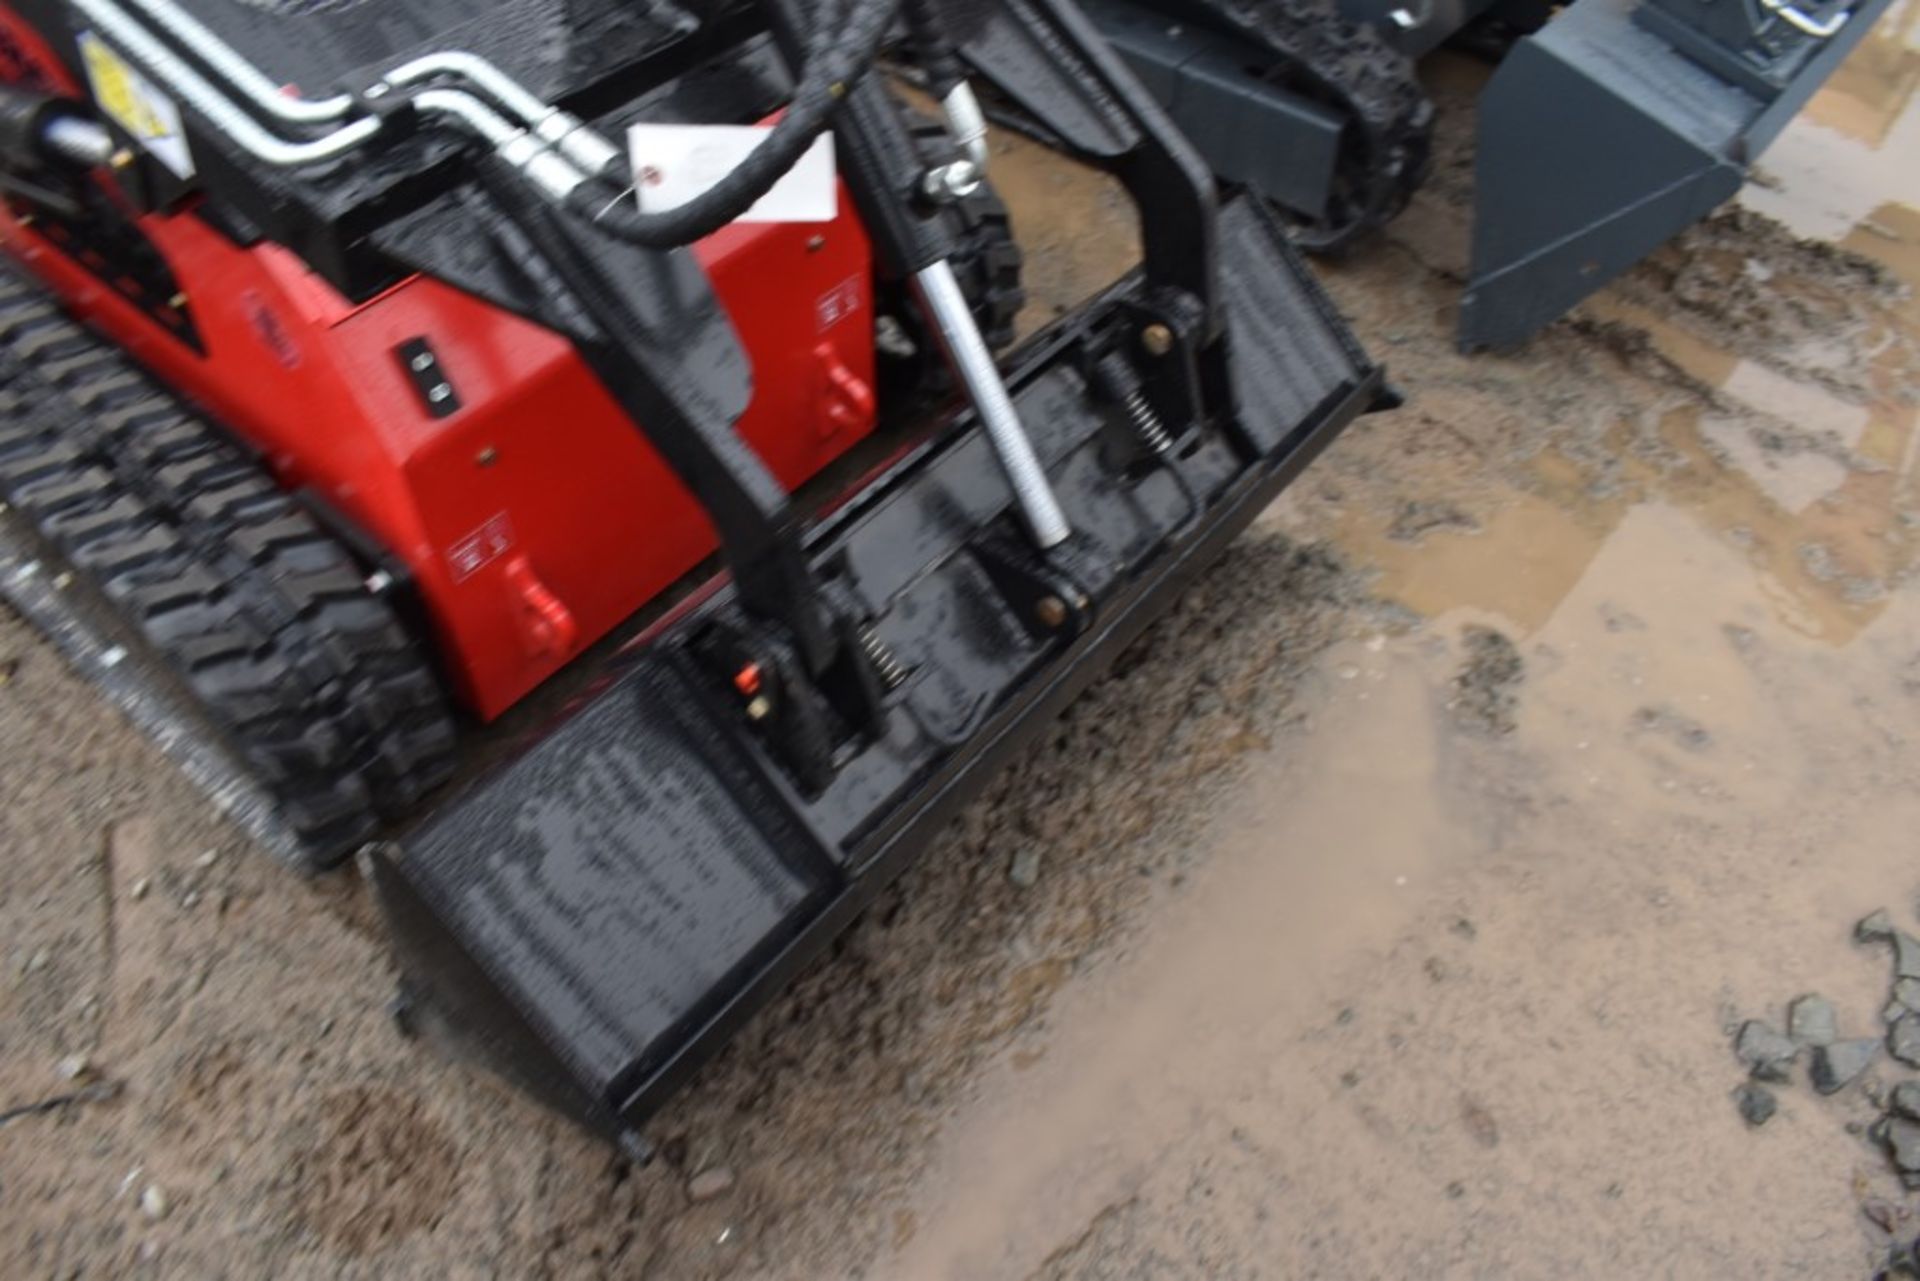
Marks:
<point>177,301</point>
<point>379,581</point>
<point>487,456</point>
<point>816,243</point>
<point>1157,339</point>
<point>422,362</point>
<point>439,392</point>
<point>758,708</point>
<point>946,184</point>
<point>1051,611</point>
<point>122,159</point>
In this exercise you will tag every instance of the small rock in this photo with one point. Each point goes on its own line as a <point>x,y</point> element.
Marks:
<point>1024,871</point>
<point>1811,1020</point>
<point>1906,1100</point>
<point>138,890</point>
<point>1903,1039</point>
<point>1479,1122</point>
<point>1906,955</point>
<point>1906,948</point>
<point>207,858</point>
<point>1882,1213</point>
<point>1874,927</point>
<point>74,1067</point>
<point>153,1202</point>
<point>1756,1103</point>
<point>716,1180</point>
<point>37,961</point>
<point>1902,1138</point>
<point>1768,1055</point>
<point>1836,1065</point>
<point>190,899</point>
<point>1901,1262</point>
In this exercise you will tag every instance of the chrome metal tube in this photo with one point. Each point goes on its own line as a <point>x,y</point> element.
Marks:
<point>552,173</point>
<point>966,123</point>
<point>1803,23</point>
<point>572,136</point>
<point>489,79</point>
<point>152,55</point>
<point>474,114</point>
<point>237,70</point>
<point>959,334</point>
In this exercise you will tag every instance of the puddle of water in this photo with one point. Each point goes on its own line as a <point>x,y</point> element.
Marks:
<point>1823,541</point>
<point>1518,565</point>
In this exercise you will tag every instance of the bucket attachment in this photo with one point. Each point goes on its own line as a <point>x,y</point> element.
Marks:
<point>1617,125</point>
<point>594,917</point>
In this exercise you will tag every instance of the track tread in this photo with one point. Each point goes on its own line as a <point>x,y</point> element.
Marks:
<point>988,260</point>
<point>261,613</point>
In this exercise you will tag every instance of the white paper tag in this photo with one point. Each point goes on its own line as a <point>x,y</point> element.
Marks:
<point>674,163</point>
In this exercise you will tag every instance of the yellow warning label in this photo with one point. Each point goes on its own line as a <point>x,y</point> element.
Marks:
<point>131,101</point>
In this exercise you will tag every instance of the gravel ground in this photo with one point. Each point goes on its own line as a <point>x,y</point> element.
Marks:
<point>1388,912</point>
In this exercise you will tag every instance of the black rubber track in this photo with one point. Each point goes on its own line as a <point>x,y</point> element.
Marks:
<point>264,617</point>
<point>988,265</point>
<point>987,261</point>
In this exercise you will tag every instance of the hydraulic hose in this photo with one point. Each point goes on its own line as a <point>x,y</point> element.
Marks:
<point>831,65</point>
<point>933,47</point>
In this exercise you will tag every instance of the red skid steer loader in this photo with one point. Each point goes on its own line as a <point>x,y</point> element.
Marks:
<point>353,389</point>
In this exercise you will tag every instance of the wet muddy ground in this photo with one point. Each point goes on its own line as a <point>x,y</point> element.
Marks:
<point>1386,913</point>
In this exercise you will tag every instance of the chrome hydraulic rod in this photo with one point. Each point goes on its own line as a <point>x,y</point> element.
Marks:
<point>959,334</point>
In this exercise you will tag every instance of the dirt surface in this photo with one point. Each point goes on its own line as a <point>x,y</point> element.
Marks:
<point>1388,912</point>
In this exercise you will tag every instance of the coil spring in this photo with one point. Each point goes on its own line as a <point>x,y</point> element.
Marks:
<point>1152,434</point>
<point>892,674</point>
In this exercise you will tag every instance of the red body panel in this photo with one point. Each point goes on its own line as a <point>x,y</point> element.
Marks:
<point>535,517</point>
